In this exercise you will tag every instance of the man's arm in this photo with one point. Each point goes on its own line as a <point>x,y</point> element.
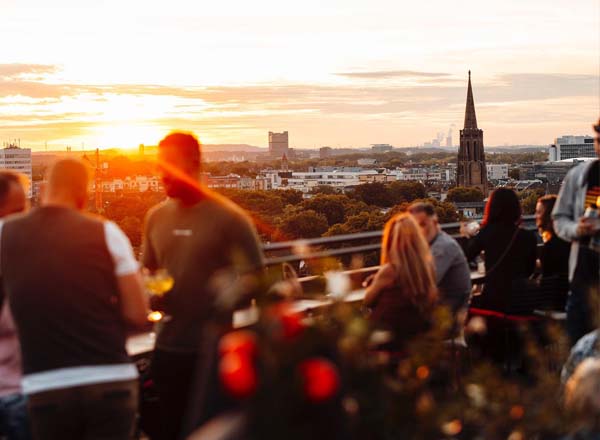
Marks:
<point>563,214</point>
<point>134,302</point>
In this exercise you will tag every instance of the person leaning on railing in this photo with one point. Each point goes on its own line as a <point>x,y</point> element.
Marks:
<point>403,293</point>
<point>554,258</point>
<point>509,251</point>
<point>452,273</point>
<point>509,255</point>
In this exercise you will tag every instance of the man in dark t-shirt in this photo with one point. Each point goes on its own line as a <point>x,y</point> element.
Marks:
<point>200,238</point>
<point>580,191</point>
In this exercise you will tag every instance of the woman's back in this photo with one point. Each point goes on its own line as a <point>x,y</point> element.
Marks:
<point>510,253</point>
<point>394,311</point>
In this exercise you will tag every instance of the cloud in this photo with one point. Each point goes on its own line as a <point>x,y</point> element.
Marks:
<point>16,70</point>
<point>323,111</point>
<point>387,74</point>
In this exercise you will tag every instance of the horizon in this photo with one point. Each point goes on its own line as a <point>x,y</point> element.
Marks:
<point>345,75</point>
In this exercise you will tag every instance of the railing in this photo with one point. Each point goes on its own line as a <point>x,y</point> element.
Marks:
<point>325,247</point>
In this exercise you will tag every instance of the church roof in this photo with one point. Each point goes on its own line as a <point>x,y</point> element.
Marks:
<point>470,117</point>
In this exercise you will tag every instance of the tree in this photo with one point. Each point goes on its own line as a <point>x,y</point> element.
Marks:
<point>324,189</point>
<point>363,222</point>
<point>465,194</point>
<point>331,206</point>
<point>446,211</point>
<point>375,193</point>
<point>303,224</point>
<point>529,199</point>
<point>514,173</point>
<point>265,204</point>
<point>132,227</point>
<point>406,191</point>
<point>290,196</point>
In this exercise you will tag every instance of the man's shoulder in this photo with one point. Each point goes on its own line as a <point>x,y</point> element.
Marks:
<point>588,345</point>
<point>445,240</point>
<point>16,218</point>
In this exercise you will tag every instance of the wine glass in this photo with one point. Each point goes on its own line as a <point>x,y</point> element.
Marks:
<point>157,284</point>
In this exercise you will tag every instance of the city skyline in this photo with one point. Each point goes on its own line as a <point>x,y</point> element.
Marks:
<point>345,74</point>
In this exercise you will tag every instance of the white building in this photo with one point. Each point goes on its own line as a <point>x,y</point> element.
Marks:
<point>132,184</point>
<point>418,175</point>
<point>305,181</point>
<point>18,160</point>
<point>497,171</point>
<point>570,147</point>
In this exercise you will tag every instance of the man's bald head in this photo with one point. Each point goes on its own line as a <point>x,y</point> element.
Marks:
<point>67,181</point>
<point>12,193</point>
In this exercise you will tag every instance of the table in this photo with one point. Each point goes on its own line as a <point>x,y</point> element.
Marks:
<point>144,342</point>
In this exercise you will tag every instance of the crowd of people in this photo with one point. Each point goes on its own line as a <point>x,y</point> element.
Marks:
<point>72,289</point>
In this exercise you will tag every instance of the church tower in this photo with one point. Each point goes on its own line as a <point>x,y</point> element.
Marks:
<point>471,169</point>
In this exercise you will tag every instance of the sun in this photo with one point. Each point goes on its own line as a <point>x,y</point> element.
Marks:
<point>127,136</point>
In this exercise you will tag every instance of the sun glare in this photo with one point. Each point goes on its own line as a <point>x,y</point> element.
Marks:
<point>126,136</point>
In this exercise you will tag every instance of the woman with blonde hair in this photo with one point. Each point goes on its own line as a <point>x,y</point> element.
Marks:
<point>403,292</point>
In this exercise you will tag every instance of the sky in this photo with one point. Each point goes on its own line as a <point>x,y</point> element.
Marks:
<point>339,73</point>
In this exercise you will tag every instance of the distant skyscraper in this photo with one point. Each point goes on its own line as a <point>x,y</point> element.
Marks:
<point>471,169</point>
<point>278,144</point>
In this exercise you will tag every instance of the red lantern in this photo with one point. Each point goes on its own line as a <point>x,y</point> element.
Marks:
<point>238,375</point>
<point>321,380</point>
<point>240,341</point>
<point>289,323</point>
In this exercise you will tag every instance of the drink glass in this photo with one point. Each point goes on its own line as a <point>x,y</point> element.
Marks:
<point>157,284</point>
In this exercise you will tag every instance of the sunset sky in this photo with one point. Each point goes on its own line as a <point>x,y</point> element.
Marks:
<point>351,73</point>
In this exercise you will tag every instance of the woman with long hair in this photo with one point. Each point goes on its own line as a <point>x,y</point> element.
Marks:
<point>403,292</point>
<point>509,251</point>
<point>555,252</point>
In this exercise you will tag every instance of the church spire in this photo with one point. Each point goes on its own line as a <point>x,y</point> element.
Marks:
<point>470,117</point>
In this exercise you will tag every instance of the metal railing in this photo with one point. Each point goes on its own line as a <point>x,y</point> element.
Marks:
<point>327,247</point>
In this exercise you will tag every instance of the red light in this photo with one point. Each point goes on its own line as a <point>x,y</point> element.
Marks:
<point>321,379</point>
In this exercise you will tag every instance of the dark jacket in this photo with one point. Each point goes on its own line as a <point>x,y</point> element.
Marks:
<point>519,261</point>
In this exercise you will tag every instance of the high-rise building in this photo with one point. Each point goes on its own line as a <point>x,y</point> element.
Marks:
<point>278,144</point>
<point>324,152</point>
<point>17,159</point>
<point>571,147</point>
<point>471,169</point>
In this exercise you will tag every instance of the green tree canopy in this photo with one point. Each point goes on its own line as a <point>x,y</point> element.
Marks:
<point>445,211</point>
<point>331,206</point>
<point>375,193</point>
<point>406,191</point>
<point>363,222</point>
<point>303,224</point>
<point>132,227</point>
<point>465,194</point>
